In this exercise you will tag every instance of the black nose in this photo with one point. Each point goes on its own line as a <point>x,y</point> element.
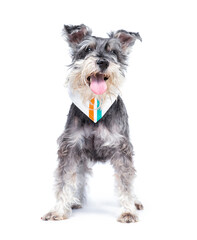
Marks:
<point>103,64</point>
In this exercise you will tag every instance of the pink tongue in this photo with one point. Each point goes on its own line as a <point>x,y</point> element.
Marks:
<point>98,85</point>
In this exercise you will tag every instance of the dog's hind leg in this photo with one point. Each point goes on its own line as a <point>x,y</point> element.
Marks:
<point>82,171</point>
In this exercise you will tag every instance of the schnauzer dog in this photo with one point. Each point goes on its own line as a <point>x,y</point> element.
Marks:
<point>97,124</point>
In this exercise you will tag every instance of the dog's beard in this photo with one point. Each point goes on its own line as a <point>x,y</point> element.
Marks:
<point>80,76</point>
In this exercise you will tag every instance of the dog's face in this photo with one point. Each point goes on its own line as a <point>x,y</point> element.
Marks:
<point>98,63</point>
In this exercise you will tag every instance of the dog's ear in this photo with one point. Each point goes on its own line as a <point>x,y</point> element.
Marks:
<point>76,33</point>
<point>127,39</point>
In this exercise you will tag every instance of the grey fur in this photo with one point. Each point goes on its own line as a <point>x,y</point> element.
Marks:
<point>84,141</point>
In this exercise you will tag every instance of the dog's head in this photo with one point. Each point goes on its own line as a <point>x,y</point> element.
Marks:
<point>98,64</point>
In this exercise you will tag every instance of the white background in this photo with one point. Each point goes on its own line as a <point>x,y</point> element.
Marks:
<point>160,95</point>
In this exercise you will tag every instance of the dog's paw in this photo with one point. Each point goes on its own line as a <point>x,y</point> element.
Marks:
<point>76,206</point>
<point>54,216</point>
<point>128,218</point>
<point>139,206</point>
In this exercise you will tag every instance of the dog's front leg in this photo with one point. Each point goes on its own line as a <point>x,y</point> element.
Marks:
<point>67,179</point>
<point>124,175</point>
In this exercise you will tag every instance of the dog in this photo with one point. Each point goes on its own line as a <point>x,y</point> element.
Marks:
<point>97,127</point>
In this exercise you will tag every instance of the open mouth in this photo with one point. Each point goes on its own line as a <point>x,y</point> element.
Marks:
<point>97,83</point>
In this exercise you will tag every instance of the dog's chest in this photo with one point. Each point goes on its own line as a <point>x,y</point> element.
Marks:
<point>100,142</point>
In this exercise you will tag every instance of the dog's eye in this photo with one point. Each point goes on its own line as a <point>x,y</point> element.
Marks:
<point>113,52</point>
<point>89,49</point>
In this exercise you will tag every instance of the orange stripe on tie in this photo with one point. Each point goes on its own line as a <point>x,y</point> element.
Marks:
<point>91,109</point>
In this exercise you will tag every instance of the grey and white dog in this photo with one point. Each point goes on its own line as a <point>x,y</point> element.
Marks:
<point>83,141</point>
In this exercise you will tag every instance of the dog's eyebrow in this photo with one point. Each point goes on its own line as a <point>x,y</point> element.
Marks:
<point>87,43</point>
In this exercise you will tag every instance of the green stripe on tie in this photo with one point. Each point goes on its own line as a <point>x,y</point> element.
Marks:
<point>99,111</point>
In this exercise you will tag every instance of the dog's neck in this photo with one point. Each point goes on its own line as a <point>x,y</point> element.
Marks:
<point>95,109</point>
